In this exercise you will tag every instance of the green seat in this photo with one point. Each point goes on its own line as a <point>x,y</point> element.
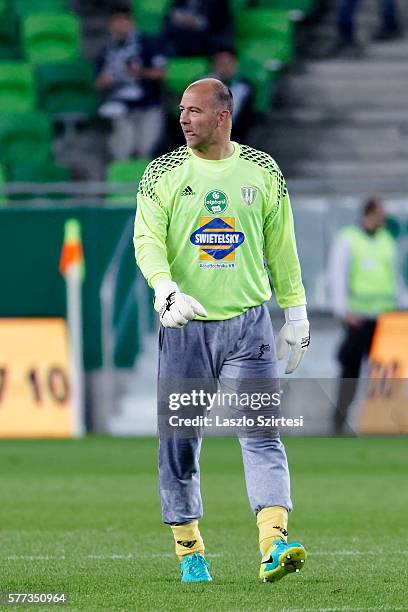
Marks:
<point>22,8</point>
<point>266,34</point>
<point>66,87</point>
<point>269,52</point>
<point>150,14</point>
<point>24,137</point>
<point>305,6</point>
<point>264,22</point>
<point>260,62</point>
<point>9,39</point>
<point>125,171</point>
<point>263,80</point>
<point>237,6</point>
<point>45,171</point>
<point>51,37</point>
<point>181,71</point>
<point>16,87</point>
<point>42,171</point>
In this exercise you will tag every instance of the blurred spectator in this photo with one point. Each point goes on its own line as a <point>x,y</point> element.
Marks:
<point>225,68</point>
<point>197,27</point>
<point>129,75</point>
<point>363,281</point>
<point>347,43</point>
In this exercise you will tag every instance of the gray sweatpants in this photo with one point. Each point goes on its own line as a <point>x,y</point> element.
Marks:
<point>237,353</point>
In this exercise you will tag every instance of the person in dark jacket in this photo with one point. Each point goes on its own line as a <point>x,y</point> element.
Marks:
<point>197,27</point>
<point>347,44</point>
<point>225,68</point>
<point>129,75</point>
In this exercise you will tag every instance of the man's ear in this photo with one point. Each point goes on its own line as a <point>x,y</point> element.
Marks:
<point>223,117</point>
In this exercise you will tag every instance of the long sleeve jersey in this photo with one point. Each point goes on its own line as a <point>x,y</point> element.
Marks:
<point>215,227</point>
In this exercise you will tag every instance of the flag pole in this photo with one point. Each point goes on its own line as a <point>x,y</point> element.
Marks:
<point>72,268</point>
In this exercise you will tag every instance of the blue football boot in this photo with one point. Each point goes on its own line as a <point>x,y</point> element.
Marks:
<point>194,568</point>
<point>282,559</point>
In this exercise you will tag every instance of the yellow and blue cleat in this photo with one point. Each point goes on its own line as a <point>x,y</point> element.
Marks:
<point>282,559</point>
<point>194,568</point>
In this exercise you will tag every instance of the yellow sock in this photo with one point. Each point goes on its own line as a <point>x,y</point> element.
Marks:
<point>188,539</point>
<point>272,524</point>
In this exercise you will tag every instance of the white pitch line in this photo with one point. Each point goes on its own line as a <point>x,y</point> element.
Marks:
<point>344,609</point>
<point>112,557</point>
<point>346,553</point>
<point>133,556</point>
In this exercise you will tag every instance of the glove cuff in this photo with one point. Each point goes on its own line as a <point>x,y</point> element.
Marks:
<point>164,289</point>
<point>295,313</point>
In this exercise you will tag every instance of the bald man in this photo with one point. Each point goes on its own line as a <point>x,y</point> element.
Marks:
<point>212,218</point>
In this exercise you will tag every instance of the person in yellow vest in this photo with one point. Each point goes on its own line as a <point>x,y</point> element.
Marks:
<point>363,284</point>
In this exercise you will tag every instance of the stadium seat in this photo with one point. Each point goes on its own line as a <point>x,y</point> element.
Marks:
<point>125,171</point>
<point>9,40</point>
<point>16,87</point>
<point>270,53</point>
<point>149,15</point>
<point>51,37</point>
<point>304,6</point>
<point>22,8</point>
<point>265,23</point>
<point>66,87</point>
<point>262,79</point>
<point>237,6</point>
<point>181,71</point>
<point>24,136</point>
<point>43,171</point>
<point>266,35</point>
<point>29,171</point>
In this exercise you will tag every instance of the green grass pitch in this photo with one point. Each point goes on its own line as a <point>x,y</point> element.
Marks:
<point>84,517</point>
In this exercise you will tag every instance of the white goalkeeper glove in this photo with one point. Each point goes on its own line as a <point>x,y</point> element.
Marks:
<point>294,334</point>
<point>176,309</point>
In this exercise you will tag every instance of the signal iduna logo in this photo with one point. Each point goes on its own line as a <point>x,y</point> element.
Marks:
<point>217,239</point>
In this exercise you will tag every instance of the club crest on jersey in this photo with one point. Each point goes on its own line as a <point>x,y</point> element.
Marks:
<point>248,195</point>
<point>216,201</point>
<point>217,238</point>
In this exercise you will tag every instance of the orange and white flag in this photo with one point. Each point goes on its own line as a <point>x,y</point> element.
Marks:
<point>72,253</point>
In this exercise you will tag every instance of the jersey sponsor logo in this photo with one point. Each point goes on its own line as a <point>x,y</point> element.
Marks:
<point>248,195</point>
<point>217,238</point>
<point>187,191</point>
<point>216,201</point>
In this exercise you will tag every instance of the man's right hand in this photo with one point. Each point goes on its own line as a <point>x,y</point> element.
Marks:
<point>104,81</point>
<point>351,319</point>
<point>176,309</point>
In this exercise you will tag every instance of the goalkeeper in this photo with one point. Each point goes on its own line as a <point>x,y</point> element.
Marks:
<point>212,216</point>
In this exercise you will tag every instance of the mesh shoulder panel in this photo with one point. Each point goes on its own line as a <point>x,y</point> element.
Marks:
<point>266,161</point>
<point>157,168</point>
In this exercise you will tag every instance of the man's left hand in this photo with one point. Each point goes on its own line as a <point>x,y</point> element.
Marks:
<point>296,336</point>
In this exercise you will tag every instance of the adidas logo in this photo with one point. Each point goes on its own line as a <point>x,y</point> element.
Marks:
<point>187,191</point>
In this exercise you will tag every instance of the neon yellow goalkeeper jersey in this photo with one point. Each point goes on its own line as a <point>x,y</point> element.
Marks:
<point>215,226</point>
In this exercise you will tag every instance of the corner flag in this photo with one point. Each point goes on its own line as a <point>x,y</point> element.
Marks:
<point>73,269</point>
<point>72,253</point>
